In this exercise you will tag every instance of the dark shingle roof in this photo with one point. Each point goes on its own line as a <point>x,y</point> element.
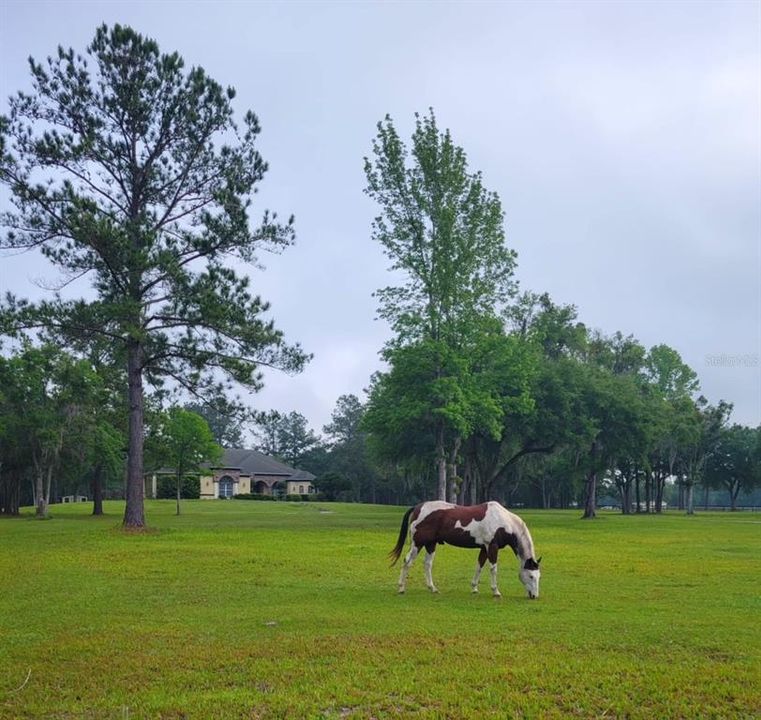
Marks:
<point>252,462</point>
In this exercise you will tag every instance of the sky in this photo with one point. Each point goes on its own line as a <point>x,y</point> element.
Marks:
<point>624,140</point>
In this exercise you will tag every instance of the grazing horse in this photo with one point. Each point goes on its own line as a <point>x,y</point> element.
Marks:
<point>489,527</point>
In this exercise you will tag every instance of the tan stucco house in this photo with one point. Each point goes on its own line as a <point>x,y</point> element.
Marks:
<point>241,472</point>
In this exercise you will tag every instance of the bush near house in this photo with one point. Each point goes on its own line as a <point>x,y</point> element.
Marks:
<point>166,487</point>
<point>290,498</point>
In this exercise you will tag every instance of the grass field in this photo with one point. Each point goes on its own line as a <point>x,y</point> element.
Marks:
<point>285,610</point>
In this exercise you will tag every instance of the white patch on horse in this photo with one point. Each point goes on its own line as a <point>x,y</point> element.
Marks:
<point>408,560</point>
<point>496,517</point>
<point>495,591</point>
<point>428,564</point>
<point>476,577</point>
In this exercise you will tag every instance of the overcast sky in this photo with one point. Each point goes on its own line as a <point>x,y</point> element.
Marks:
<point>624,140</point>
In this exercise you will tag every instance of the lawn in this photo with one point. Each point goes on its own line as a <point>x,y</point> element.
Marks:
<point>284,610</point>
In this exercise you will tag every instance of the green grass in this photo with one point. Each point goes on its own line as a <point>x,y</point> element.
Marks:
<point>278,610</point>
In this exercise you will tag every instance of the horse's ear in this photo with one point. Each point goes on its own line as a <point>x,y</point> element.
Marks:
<point>538,562</point>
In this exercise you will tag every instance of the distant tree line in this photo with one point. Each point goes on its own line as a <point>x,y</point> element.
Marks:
<point>603,416</point>
<point>62,433</point>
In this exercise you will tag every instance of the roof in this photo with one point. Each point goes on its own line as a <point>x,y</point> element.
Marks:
<point>252,462</point>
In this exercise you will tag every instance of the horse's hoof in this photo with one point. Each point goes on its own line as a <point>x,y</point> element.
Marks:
<point>434,590</point>
<point>475,591</point>
<point>497,595</point>
<point>401,591</point>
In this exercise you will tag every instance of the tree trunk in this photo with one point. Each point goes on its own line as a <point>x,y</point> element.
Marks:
<point>637,497</point>
<point>441,460</point>
<point>734,492</point>
<point>473,480</point>
<point>659,484</point>
<point>39,494</point>
<point>590,506</point>
<point>452,488</point>
<point>96,488</point>
<point>625,490</point>
<point>134,513</point>
<point>179,489</point>
<point>591,501</point>
<point>689,499</point>
<point>648,490</point>
<point>48,482</point>
<point>545,493</point>
<point>626,497</point>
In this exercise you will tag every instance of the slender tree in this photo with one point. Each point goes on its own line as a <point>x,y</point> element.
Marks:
<point>674,384</point>
<point>701,443</point>
<point>183,441</point>
<point>124,166</point>
<point>441,228</point>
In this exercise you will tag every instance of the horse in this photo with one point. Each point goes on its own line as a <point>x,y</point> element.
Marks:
<point>488,526</point>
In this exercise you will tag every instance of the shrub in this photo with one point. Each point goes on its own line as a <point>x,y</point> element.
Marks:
<point>332,485</point>
<point>166,487</point>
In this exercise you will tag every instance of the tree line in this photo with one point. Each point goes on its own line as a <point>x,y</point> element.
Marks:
<point>590,417</point>
<point>128,169</point>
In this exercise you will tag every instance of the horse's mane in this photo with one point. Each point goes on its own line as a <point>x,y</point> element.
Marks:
<point>524,541</point>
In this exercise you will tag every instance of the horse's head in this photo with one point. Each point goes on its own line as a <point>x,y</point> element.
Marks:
<point>529,575</point>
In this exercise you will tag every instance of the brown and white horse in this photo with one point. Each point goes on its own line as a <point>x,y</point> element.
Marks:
<point>489,527</point>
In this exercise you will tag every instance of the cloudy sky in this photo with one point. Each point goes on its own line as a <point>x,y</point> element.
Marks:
<point>624,140</point>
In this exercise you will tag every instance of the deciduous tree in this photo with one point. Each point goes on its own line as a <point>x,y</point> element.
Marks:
<point>444,231</point>
<point>183,441</point>
<point>734,464</point>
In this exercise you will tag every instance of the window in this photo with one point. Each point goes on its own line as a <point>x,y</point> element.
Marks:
<point>226,486</point>
<point>301,489</point>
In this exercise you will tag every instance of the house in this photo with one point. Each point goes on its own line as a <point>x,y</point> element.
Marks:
<point>241,472</point>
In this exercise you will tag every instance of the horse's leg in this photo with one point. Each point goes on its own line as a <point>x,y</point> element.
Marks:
<point>430,552</point>
<point>479,567</point>
<point>492,555</point>
<point>408,560</point>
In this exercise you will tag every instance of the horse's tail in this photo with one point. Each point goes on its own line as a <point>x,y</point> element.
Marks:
<point>397,551</point>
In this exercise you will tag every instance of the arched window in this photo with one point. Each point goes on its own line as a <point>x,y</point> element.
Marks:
<point>226,484</point>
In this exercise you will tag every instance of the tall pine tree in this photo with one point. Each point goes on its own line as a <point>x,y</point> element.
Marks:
<point>126,167</point>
